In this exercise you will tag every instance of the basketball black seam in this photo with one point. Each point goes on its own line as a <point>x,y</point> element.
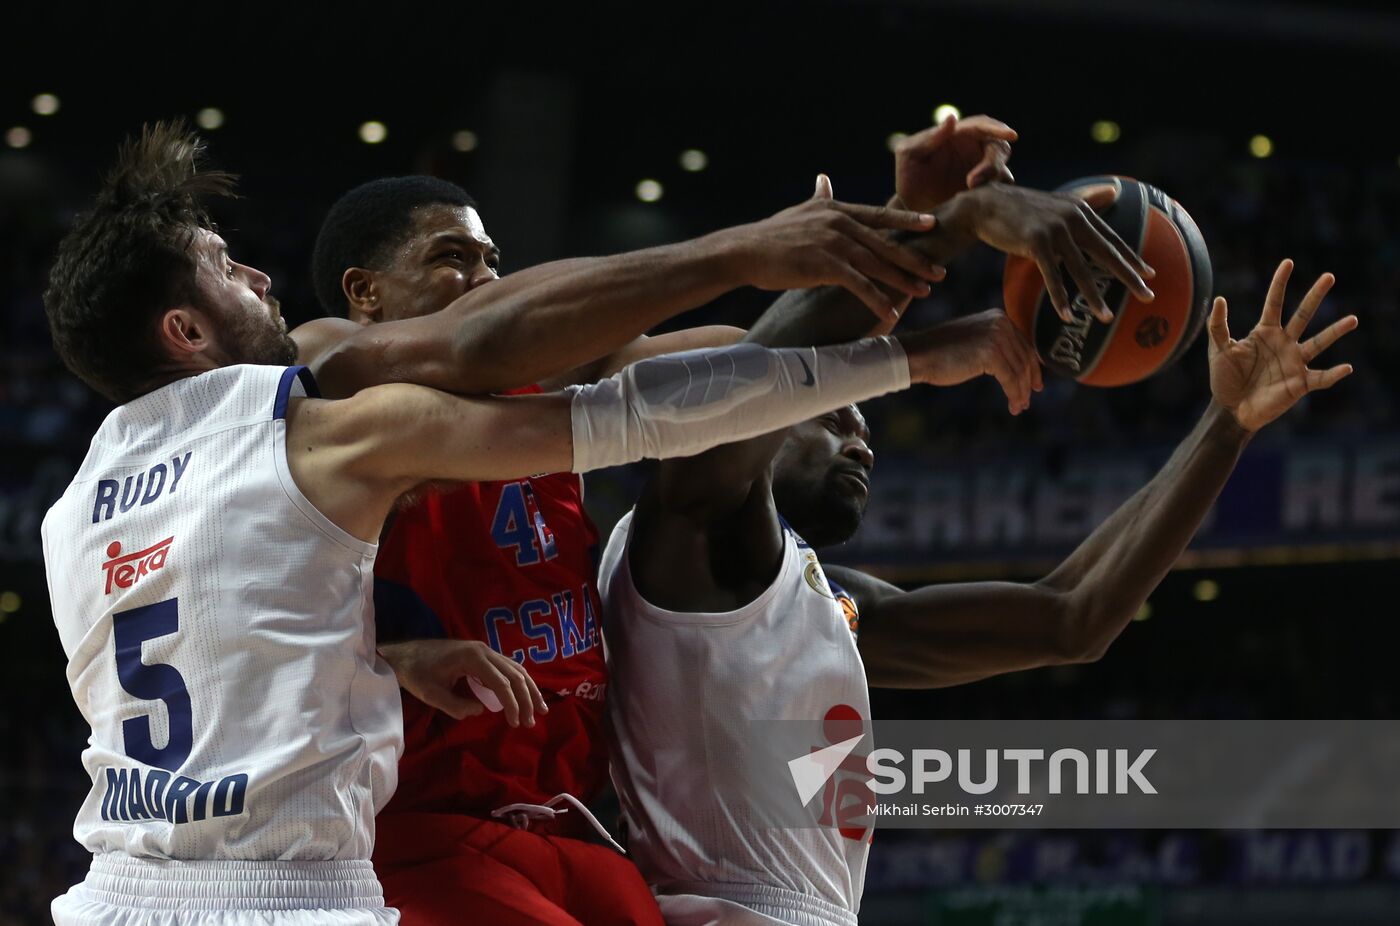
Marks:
<point>1089,368</point>
<point>1190,289</point>
<point>1197,319</point>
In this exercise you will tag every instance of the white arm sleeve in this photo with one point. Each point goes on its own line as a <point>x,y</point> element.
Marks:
<point>677,405</point>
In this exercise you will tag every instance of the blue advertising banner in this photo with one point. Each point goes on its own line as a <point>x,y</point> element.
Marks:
<point>1343,495</point>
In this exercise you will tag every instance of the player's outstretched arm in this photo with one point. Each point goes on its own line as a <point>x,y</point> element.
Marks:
<point>353,457</point>
<point>543,321</point>
<point>949,634</point>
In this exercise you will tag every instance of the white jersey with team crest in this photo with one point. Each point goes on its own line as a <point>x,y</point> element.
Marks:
<point>693,695</point>
<point>220,638</point>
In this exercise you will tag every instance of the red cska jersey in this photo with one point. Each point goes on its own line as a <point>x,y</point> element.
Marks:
<point>512,564</point>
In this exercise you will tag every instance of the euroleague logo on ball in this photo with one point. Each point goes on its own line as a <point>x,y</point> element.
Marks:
<point>1151,331</point>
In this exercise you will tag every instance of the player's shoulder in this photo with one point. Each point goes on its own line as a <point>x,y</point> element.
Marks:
<point>325,422</point>
<point>316,337</point>
<point>334,426</point>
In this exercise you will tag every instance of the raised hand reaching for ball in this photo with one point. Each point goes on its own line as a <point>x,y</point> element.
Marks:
<point>1263,375</point>
<point>933,166</point>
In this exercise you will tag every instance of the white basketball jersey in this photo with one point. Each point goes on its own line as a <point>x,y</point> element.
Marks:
<point>220,635</point>
<point>689,693</point>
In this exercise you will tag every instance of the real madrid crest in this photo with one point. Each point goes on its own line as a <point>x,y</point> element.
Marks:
<point>817,579</point>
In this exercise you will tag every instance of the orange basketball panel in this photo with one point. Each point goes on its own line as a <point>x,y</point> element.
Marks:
<point>1021,287</point>
<point>1146,333</point>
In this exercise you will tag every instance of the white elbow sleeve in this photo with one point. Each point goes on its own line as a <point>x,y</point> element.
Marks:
<point>681,404</point>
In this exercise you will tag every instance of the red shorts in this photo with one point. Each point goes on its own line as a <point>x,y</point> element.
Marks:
<point>441,868</point>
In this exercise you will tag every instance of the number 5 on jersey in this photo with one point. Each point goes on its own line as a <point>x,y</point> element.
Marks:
<point>153,682</point>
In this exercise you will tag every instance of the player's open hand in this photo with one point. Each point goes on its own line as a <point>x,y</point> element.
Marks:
<point>1055,230</point>
<point>933,166</point>
<point>976,345</point>
<point>824,242</point>
<point>1262,376</point>
<point>437,672</point>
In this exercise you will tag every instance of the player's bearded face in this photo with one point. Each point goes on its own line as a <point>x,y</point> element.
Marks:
<point>256,334</point>
<point>248,318</point>
<point>821,480</point>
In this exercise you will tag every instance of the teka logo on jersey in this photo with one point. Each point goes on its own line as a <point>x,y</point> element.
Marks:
<point>837,775</point>
<point>126,571</point>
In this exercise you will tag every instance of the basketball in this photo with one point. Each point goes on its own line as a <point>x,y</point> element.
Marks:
<point>1144,337</point>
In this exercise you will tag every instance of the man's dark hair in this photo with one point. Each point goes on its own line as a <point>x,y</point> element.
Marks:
<point>365,226</point>
<point>129,258</point>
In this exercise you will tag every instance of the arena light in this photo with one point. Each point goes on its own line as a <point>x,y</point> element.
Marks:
<point>694,160</point>
<point>892,142</point>
<point>1261,146</point>
<point>649,191</point>
<point>209,118</point>
<point>1105,131</point>
<point>465,140</point>
<point>18,137</point>
<point>1144,612</point>
<point>1207,590</point>
<point>45,104</point>
<point>372,132</point>
<point>10,602</point>
<point>944,110</point>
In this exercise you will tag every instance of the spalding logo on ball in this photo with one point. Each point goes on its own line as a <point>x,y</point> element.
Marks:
<point>1144,337</point>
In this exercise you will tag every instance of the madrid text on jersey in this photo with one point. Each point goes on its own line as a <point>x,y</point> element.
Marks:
<point>131,796</point>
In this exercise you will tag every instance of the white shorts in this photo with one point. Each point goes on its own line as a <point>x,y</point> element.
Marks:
<point>123,891</point>
<point>748,905</point>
